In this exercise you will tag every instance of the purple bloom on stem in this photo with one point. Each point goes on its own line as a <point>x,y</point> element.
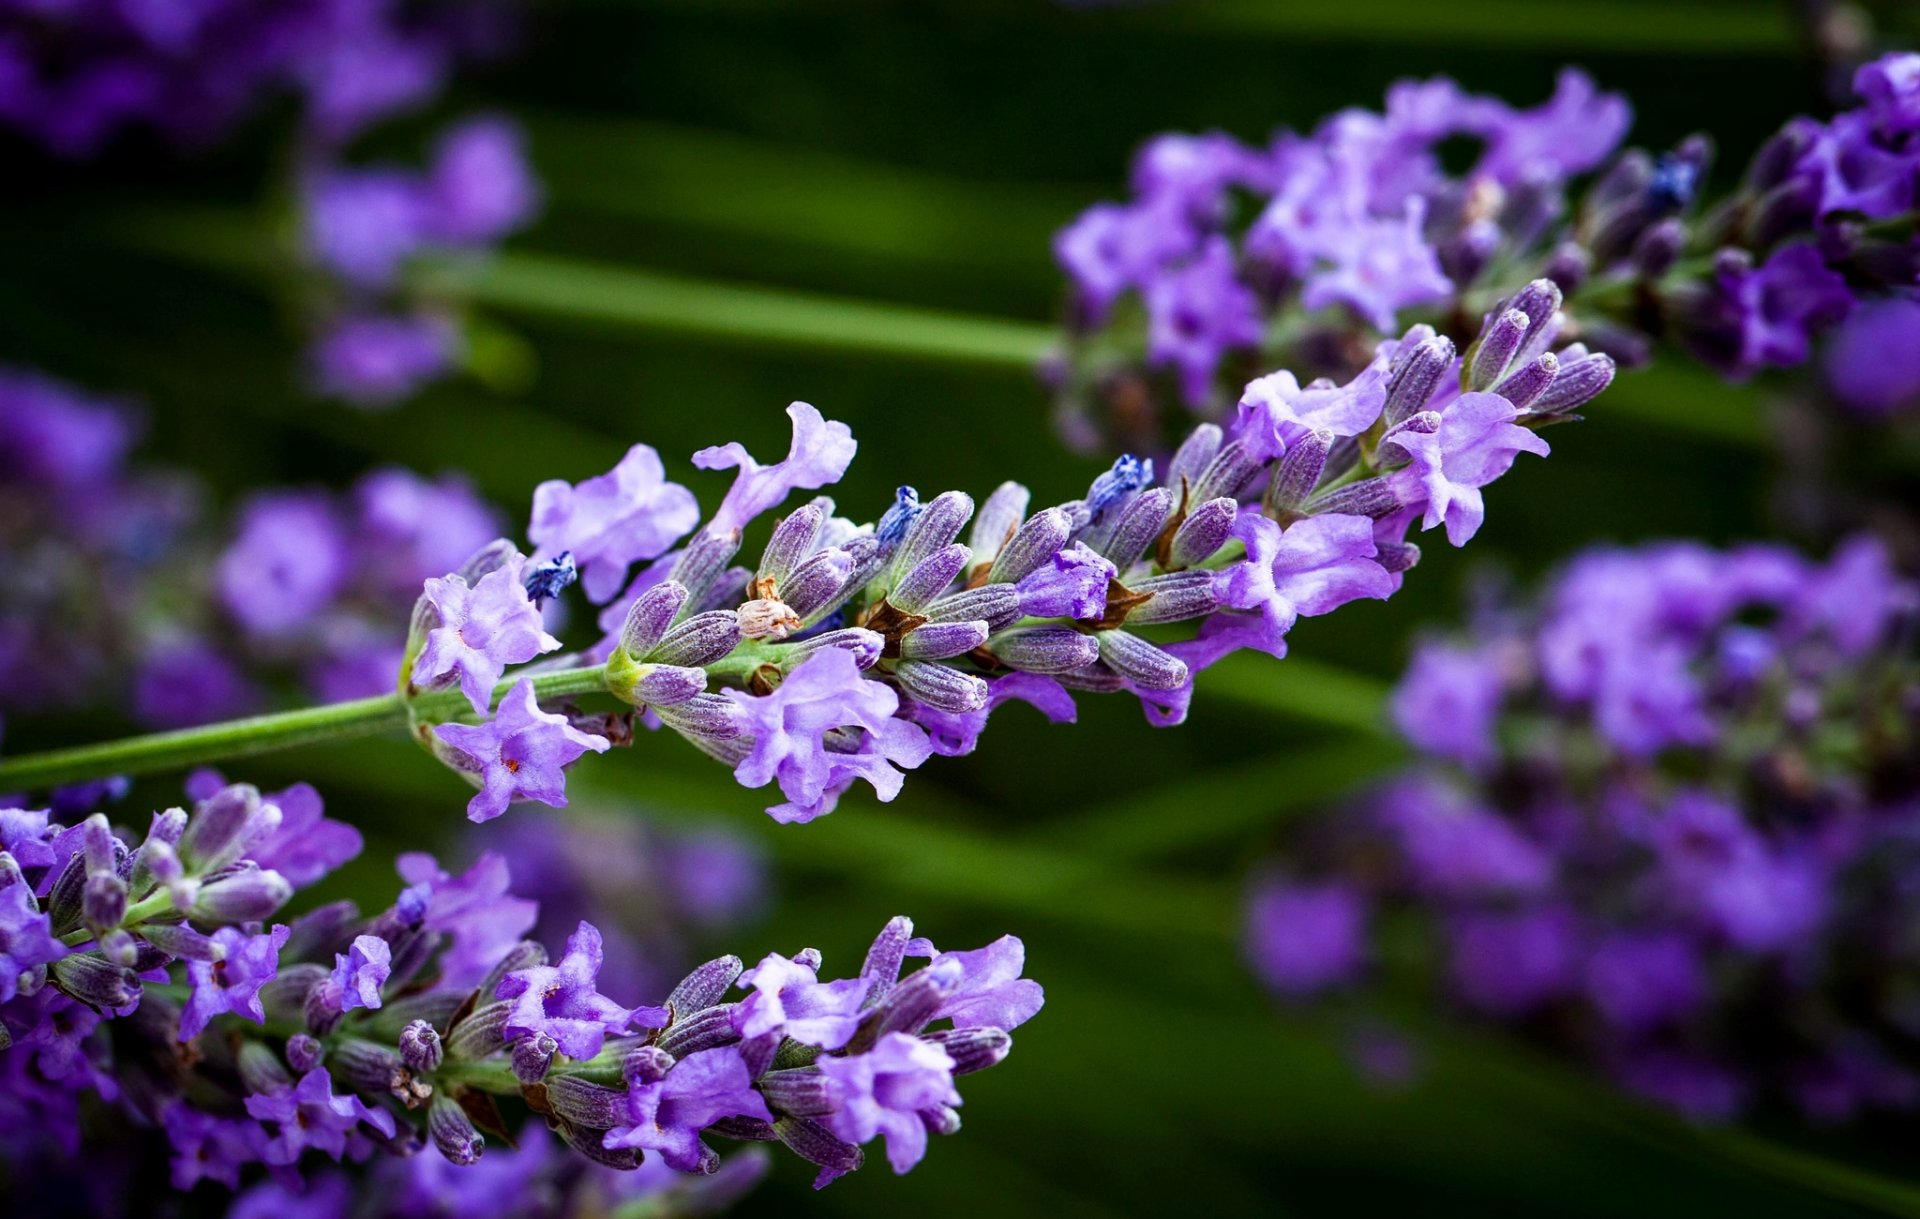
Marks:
<point>1380,267</point>
<point>609,522</point>
<point>362,970</point>
<point>1306,939</point>
<point>1275,413</point>
<point>1872,361</point>
<point>1196,314</point>
<point>1072,584</point>
<point>1454,847</point>
<point>287,564</point>
<point>232,984</point>
<point>482,629</point>
<point>1111,248</point>
<point>373,360</point>
<point>665,1115</point>
<point>820,453</point>
<point>989,991</point>
<point>481,186</point>
<point>1449,700</point>
<point>308,1114</point>
<point>562,1001</point>
<point>789,727</point>
<point>788,997</point>
<point>417,527</point>
<point>1757,896</point>
<point>953,734</point>
<point>1312,567</point>
<point>883,1091</point>
<point>318,1197</point>
<point>1890,85</point>
<point>26,938</point>
<point>209,1148</point>
<point>1779,305</point>
<point>520,754</point>
<point>305,846</point>
<point>1475,442</point>
<point>1572,132</point>
<point>475,909</point>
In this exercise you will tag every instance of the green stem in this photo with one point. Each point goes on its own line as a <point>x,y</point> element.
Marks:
<point>171,751</point>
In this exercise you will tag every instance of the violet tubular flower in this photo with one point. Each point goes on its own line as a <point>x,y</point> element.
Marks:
<point>520,754</point>
<point>1656,811</point>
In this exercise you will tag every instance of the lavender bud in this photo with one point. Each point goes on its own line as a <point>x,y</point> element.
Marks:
<point>882,966</point>
<point>645,1065</point>
<point>1373,497</point>
<point>1196,452</point>
<point>586,1104</point>
<point>242,897</point>
<point>1784,211</point>
<point>1140,524</point>
<point>1659,248</point>
<point>1579,382</point>
<point>480,1035</point>
<point>941,640</point>
<point>702,1030</point>
<point>95,981</point>
<point>664,685</point>
<point>701,563</point>
<point>1465,254</point>
<point>972,1049</point>
<point>154,864</point>
<point>865,645</point>
<point>1147,666</point>
<point>1526,385</point>
<point>997,605</point>
<point>817,581</point>
<point>801,1092</point>
<point>1228,474</point>
<point>745,1129</point>
<point>420,1047</point>
<point>933,530</point>
<point>216,825</point>
<point>487,560</point>
<point>366,1066</point>
<point>1299,473</point>
<point>453,1132</point>
<point>1206,530</point>
<point>700,640</point>
<point>942,1119</point>
<point>533,1057</point>
<point>998,519</point>
<point>1499,339</point>
<point>815,1144</point>
<point>809,958</point>
<point>1044,649</point>
<point>104,903</point>
<point>792,541</point>
<point>940,687</point>
<point>304,1053</point>
<point>182,942</point>
<point>704,987</point>
<point>63,901</point>
<point>908,1006</point>
<point>1568,266</point>
<point>97,844</point>
<point>704,717</point>
<point>929,578</point>
<point>1397,556</point>
<point>1094,679</point>
<point>167,826</point>
<point>1032,544</point>
<point>1415,375</point>
<point>653,612</point>
<point>260,1069</point>
<point>1175,598</point>
<point>1539,301</point>
<point>326,1005</point>
<point>285,997</point>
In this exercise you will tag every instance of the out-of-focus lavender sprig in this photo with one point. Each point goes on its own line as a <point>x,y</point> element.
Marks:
<point>1664,821</point>
<point>853,652</point>
<point>146,974</point>
<point>1307,251</point>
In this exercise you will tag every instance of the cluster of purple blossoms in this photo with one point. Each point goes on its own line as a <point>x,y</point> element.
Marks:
<point>361,228</point>
<point>76,75</point>
<point>1307,252</point>
<point>1664,822</point>
<point>144,979</point>
<point>853,652</point>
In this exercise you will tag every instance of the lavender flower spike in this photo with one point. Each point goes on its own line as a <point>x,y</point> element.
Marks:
<point>520,754</point>
<point>481,630</point>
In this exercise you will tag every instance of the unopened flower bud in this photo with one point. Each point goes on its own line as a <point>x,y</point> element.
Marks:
<point>420,1047</point>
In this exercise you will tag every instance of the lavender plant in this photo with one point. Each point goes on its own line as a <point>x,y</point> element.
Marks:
<point>855,652</point>
<point>1229,258</point>
<point>147,976</point>
<point>1662,819</point>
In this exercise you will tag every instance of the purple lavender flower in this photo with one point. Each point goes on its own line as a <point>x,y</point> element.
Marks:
<point>328,1196</point>
<point>1197,314</point>
<point>308,1114</point>
<point>1640,980</point>
<point>474,909</point>
<point>210,1148</point>
<point>562,1002</point>
<point>1448,701</point>
<point>1379,267</point>
<point>666,1114</point>
<point>819,455</point>
<point>410,526</point>
<point>884,1091</point>
<point>1778,306</point>
<point>1890,86</point>
<point>1454,846</point>
<point>481,186</point>
<point>520,754</point>
<point>789,998</point>
<point>376,360</point>
<point>955,734</point>
<point>988,990</point>
<point>1275,413</point>
<point>232,983</point>
<point>1306,939</point>
<point>1072,584</point>
<point>1575,130</point>
<point>1872,361</point>
<point>306,845</point>
<point>1313,566</point>
<point>481,630</point>
<point>631,513</point>
<point>362,970</point>
<point>26,938</point>
<point>362,225</point>
<point>788,730</point>
<point>287,564</point>
<point>1475,441</point>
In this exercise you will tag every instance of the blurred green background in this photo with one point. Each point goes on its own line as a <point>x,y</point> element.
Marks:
<point>850,203</point>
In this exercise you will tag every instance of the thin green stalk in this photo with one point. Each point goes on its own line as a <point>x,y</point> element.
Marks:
<point>161,752</point>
